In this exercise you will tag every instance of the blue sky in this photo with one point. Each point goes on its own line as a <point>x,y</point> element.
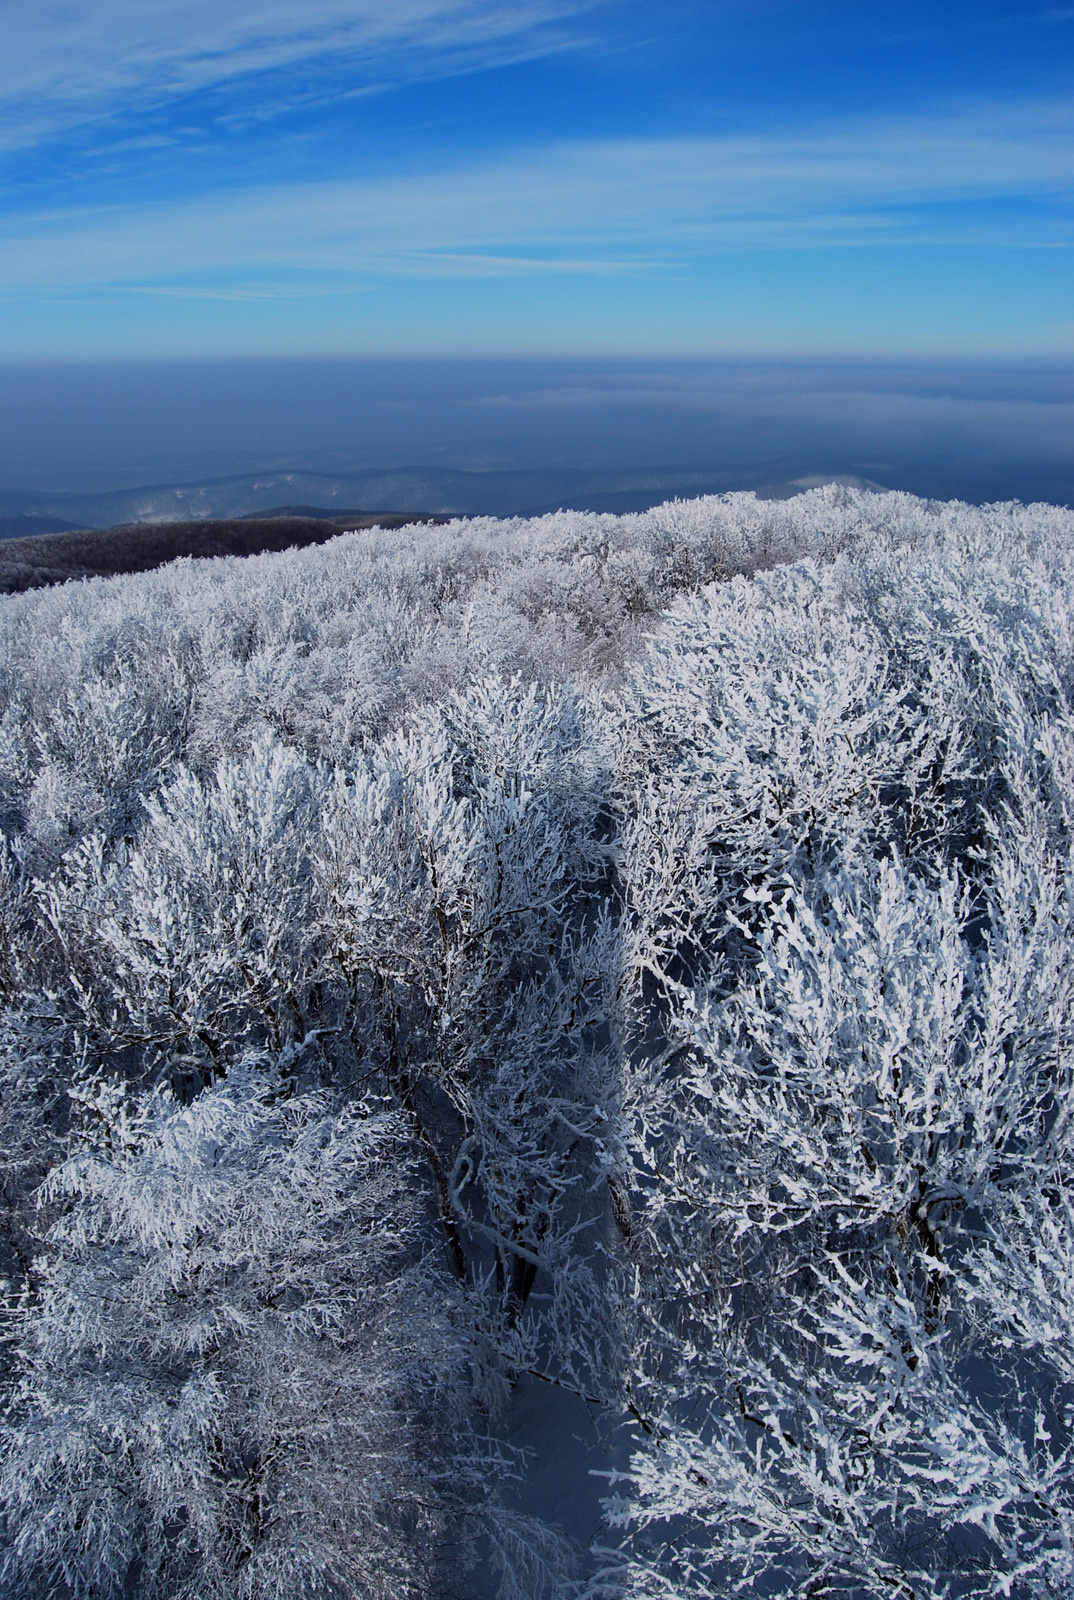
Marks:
<point>553,177</point>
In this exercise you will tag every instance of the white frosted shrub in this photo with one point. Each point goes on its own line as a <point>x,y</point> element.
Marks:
<point>325,646</point>
<point>231,1363</point>
<point>850,910</point>
<point>195,940</point>
<point>456,870</point>
<point>632,952</point>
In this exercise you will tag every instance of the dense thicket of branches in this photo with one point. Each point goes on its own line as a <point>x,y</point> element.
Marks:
<point>632,950</point>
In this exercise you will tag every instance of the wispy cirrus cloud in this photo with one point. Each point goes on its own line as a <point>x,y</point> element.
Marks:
<point>598,206</point>
<point>67,62</point>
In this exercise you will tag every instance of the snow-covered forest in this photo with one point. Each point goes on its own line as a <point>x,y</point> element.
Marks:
<point>633,954</point>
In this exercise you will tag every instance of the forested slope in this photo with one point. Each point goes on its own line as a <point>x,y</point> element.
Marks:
<point>34,560</point>
<point>634,951</point>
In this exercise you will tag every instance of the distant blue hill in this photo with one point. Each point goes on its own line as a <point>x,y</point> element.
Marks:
<point>430,491</point>
<point>454,492</point>
<point>21,526</point>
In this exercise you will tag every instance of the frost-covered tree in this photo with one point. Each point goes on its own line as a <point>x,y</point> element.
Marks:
<point>849,1101</point>
<point>237,1378</point>
<point>629,950</point>
<point>461,872</point>
<point>197,936</point>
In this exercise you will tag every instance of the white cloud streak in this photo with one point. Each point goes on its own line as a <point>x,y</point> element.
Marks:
<point>585,207</point>
<point>65,62</point>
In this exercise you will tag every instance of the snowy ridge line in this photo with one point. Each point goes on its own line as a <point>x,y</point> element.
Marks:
<point>635,953</point>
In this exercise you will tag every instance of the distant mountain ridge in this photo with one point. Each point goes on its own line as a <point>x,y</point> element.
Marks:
<point>426,491</point>
<point>27,526</point>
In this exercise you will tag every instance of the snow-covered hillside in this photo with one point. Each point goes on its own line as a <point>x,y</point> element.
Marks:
<point>625,961</point>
